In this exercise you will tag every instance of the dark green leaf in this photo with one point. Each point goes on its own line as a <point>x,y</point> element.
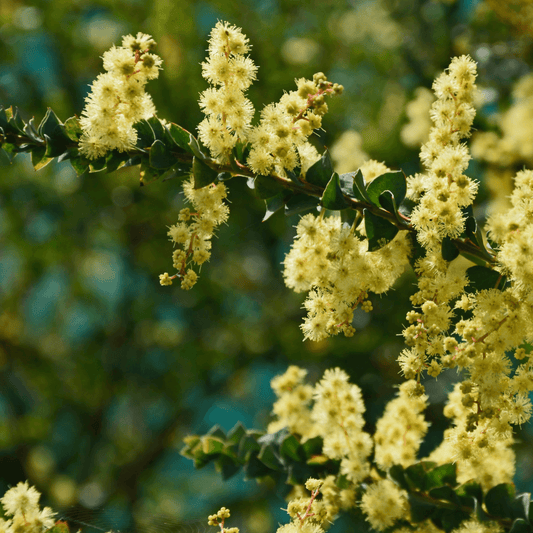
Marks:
<point>299,203</point>
<point>312,447</point>
<point>320,172</point>
<point>521,526</point>
<point>266,187</point>
<point>359,187</point>
<point>247,447</point>
<point>203,174</point>
<point>393,182</point>
<point>445,493</point>
<point>116,160</point>
<point>294,174</point>
<point>38,159</point>
<point>420,509</point>
<point>212,445</point>
<point>378,230</point>
<point>31,131</point>
<point>16,121</point>
<point>521,505</point>
<point>217,431</point>
<point>442,475</point>
<point>227,467</point>
<point>449,250</point>
<point>180,136</point>
<point>268,456</point>
<point>97,165</point>
<point>298,474</point>
<point>49,124</point>
<point>471,488</point>
<point>416,475</point>
<point>273,205</point>
<point>333,198</point>
<point>254,468</point>
<point>69,154</point>
<point>499,500</point>
<point>161,134</point>
<point>481,277</point>
<point>160,156</point>
<point>449,519</point>
<point>236,433</point>
<point>80,165</point>
<point>73,129</point>
<point>145,134</point>
<point>195,148</point>
<point>397,473</point>
<point>290,449</point>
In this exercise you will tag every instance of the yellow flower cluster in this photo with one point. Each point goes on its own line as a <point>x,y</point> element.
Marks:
<point>118,99</point>
<point>333,263</point>
<point>193,233</point>
<point>400,430</point>
<point>21,503</point>
<point>228,112</point>
<point>279,142</point>
<point>444,189</point>
<point>384,503</point>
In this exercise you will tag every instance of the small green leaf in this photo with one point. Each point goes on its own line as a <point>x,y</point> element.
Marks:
<point>449,250</point>
<point>299,203</point>
<point>73,129</point>
<point>521,505</point>
<point>254,468</point>
<point>472,489</point>
<point>49,124</point>
<point>226,466</point>
<point>236,434</point>
<point>312,447</point>
<point>80,165</point>
<point>359,187</point>
<point>180,136</point>
<point>499,500</point>
<point>397,474</point>
<point>203,174</point>
<point>160,156</point>
<point>268,456</point>
<point>266,187</point>
<point>59,527</point>
<point>16,121</point>
<point>212,445</point>
<point>273,205</point>
<point>247,447</point>
<point>420,509</point>
<point>290,448</point>
<point>145,134</point>
<point>442,475</point>
<point>195,148</point>
<point>416,474</point>
<point>391,181</point>
<point>116,160</point>
<point>449,519</point>
<point>445,493</point>
<point>31,131</point>
<point>161,134</point>
<point>320,172</point>
<point>225,176</point>
<point>333,198</point>
<point>378,230</point>
<point>38,159</point>
<point>521,526</point>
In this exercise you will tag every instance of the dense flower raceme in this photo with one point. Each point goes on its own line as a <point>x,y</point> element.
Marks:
<point>117,99</point>
<point>333,410</point>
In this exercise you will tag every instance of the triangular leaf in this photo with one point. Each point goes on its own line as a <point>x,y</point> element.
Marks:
<point>442,475</point>
<point>481,277</point>
<point>320,172</point>
<point>273,205</point>
<point>359,187</point>
<point>203,174</point>
<point>180,136</point>
<point>160,156</point>
<point>73,129</point>
<point>333,197</point>
<point>449,250</point>
<point>145,134</point>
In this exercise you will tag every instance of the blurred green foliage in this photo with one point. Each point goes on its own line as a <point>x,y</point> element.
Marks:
<point>102,370</point>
